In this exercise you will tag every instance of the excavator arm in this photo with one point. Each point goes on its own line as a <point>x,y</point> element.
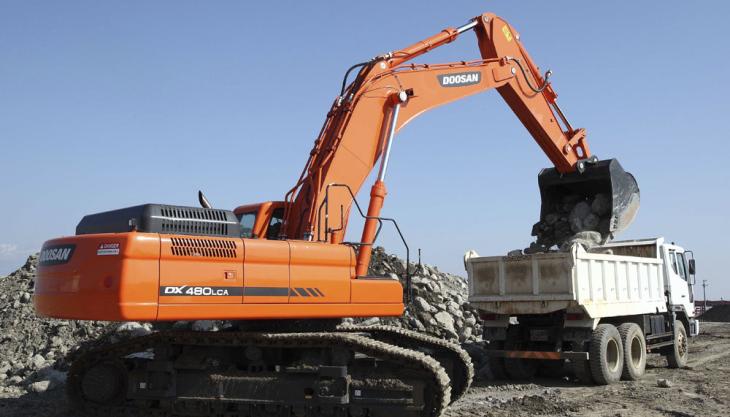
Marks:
<point>388,93</point>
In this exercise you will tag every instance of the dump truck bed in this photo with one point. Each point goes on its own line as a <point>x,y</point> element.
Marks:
<point>596,284</point>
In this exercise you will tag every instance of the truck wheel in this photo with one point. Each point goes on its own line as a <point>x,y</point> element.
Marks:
<point>606,355</point>
<point>679,353</point>
<point>634,346</point>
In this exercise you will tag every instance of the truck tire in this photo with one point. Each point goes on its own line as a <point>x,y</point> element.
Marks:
<point>679,353</point>
<point>606,355</point>
<point>634,346</point>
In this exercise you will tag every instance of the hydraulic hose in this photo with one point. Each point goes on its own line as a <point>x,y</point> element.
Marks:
<point>529,84</point>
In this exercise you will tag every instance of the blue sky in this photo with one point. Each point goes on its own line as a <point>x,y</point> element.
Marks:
<point>110,104</point>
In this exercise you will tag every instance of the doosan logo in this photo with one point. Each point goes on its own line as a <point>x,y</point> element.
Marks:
<point>56,255</point>
<point>460,79</point>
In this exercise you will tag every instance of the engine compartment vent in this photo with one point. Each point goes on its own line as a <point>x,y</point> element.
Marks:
<point>162,218</point>
<point>203,247</point>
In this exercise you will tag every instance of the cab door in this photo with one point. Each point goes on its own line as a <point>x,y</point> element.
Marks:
<point>679,285</point>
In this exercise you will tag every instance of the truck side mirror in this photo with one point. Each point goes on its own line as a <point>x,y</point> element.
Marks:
<point>692,266</point>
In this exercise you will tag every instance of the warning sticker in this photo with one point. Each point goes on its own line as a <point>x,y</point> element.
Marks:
<point>107,249</point>
<point>507,33</point>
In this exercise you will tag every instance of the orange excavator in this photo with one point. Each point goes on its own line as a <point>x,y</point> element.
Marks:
<point>283,271</point>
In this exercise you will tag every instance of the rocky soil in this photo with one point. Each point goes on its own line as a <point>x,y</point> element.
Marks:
<point>699,390</point>
<point>439,305</point>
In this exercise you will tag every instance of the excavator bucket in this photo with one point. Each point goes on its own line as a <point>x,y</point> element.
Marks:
<point>604,198</point>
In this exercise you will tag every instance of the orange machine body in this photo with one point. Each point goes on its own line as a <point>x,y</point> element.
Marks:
<point>291,261</point>
<point>150,276</point>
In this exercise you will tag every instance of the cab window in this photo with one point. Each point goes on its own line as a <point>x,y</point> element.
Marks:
<point>681,266</point>
<point>673,261</point>
<point>247,221</point>
<point>277,219</point>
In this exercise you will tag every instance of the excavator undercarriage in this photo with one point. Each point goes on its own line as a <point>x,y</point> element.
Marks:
<point>375,371</point>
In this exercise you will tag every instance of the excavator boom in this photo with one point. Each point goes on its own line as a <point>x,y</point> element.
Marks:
<point>389,92</point>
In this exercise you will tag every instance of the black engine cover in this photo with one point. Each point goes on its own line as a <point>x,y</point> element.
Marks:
<point>160,218</point>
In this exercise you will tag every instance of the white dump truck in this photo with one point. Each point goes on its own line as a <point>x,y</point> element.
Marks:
<point>600,311</point>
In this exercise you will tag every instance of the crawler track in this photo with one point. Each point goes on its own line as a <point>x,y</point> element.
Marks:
<point>455,360</point>
<point>258,374</point>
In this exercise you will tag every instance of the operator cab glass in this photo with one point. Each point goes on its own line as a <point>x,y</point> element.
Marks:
<point>247,221</point>
<point>277,219</point>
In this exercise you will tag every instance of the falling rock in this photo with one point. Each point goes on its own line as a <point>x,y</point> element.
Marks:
<point>601,205</point>
<point>580,211</point>
<point>591,222</point>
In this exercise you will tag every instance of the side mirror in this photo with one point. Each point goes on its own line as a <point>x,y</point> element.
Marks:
<point>692,266</point>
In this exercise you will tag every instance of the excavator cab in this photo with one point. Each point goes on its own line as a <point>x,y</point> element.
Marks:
<point>602,198</point>
<point>263,220</point>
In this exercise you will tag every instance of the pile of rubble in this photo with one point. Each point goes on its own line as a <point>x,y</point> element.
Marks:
<point>574,219</point>
<point>36,352</point>
<point>439,305</point>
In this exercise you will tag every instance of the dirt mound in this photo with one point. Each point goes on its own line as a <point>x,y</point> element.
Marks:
<point>720,313</point>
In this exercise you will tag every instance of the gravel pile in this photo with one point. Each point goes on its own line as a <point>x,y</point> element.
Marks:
<point>719,313</point>
<point>574,217</point>
<point>439,307</point>
<point>34,350</point>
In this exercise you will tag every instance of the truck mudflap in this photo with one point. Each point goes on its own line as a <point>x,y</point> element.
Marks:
<point>538,354</point>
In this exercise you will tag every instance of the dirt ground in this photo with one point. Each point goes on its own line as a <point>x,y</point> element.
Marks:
<point>703,389</point>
